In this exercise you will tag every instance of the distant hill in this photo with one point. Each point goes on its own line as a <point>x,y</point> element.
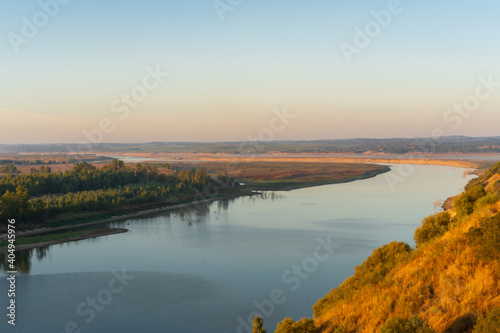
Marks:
<point>443,145</point>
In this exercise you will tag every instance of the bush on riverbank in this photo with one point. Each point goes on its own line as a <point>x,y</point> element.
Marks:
<point>432,226</point>
<point>413,324</point>
<point>304,325</point>
<point>489,323</point>
<point>465,203</point>
<point>486,238</point>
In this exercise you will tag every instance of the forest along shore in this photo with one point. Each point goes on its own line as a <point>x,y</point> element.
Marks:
<point>73,235</point>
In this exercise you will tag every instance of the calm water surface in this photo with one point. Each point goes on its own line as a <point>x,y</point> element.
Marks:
<point>207,269</point>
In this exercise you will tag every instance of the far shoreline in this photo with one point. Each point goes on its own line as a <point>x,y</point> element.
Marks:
<point>471,160</point>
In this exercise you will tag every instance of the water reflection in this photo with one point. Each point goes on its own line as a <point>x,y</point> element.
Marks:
<point>192,215</point>
<point>273,196</point>
<point>198,213</point>
<point>223,205</point>
<point>23,259</point>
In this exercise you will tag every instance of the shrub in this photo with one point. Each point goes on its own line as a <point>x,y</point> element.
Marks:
<point>483,178</point>
<point>490,323</point>
<point>486,238</point>
<point>305,325</point>
<point>488,199</point>
<point>258,325</point>
<point>432,226</point>
<point>10,169</point>
<point>496,187</point>
<point>462,324</point>
<point>372,271</point>
<point>382,260</point>
<point>464,204</point>
<point>413,324</point>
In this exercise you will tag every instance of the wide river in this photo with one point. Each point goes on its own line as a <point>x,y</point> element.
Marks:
<point>207,269</point>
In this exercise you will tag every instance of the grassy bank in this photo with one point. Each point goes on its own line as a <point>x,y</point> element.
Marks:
<point>304,181</point>
<point>288,175</point>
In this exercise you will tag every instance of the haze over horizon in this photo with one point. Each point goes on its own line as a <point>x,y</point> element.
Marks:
<point>243,141</point>
<point>227,77</point>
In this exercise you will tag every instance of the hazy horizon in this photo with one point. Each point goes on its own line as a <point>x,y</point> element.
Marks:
<point>242,141</point>
<point>231,67</point>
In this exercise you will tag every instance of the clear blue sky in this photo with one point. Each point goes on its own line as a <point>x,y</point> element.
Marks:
<point>227,76</point>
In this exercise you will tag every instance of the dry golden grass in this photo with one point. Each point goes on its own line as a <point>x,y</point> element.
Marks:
<point>286,175</point>
<point>443,281</point>
<point>333,159</point>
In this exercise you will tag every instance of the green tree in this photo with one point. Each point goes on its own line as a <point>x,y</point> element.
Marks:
<point>82,168</point>
<point>413,324</point>
<point>115,166</point>
<point>432,226</point>
<point>45,170</point>
<point>258,325</point>
<point>10,169</point>
<point>304,325</point>
<point>223,178</point>
<point>200,177</point>
<point>465,202</point>
<point>14,205</point>
<point>146,172</point>
<point>486,238</point>
<point>381,262</point>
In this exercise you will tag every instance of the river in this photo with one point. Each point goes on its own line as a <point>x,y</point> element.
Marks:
<point>208,269</point>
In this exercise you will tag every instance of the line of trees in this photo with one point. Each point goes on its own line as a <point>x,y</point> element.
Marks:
<point>36,162</point>
<point>10,169</point>
<point>40,195</point>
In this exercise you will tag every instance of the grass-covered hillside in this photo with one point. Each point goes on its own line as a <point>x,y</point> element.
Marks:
<point>449,283</point>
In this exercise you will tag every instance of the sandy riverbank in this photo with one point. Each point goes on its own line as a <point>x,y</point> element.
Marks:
<point>173,158</point>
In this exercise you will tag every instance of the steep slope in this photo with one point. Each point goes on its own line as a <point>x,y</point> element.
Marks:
<point>449,283</point>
